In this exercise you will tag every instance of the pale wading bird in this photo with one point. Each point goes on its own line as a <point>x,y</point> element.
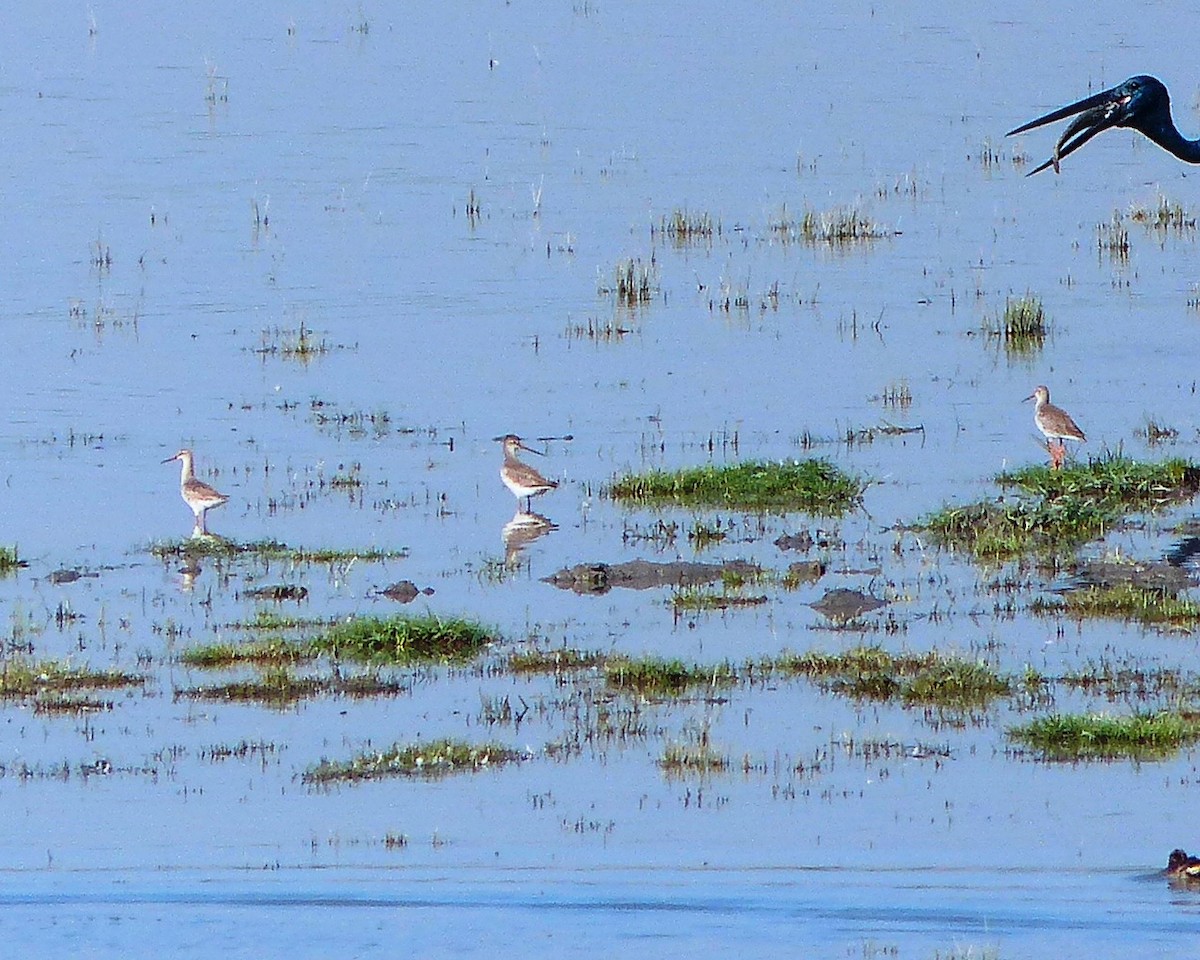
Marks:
<point>520,477</point>
<point>1140,103</point>
<point>1055,424</point>
<point>197,494</point>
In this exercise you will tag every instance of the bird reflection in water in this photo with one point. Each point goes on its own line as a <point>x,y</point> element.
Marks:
<point>522,530</point>
<point>188,574</point>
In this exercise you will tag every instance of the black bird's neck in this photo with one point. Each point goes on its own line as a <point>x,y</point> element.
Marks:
<point>1162,130</point>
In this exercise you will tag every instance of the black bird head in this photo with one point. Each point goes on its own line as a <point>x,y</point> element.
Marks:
<point>1140,103</point>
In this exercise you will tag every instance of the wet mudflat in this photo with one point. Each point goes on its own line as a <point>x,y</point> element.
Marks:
<point>338,251</point>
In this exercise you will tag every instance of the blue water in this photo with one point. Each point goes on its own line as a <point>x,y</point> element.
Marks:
<point>185,190</point>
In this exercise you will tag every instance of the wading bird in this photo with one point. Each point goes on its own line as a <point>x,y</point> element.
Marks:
<point>1182,867</point>
<point>1055,424</point>
<point>197,494</point>
<point>1140,103</point>
<point>519,477</point>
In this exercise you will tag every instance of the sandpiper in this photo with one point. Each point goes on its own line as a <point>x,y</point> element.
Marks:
<point>519,477</point>
<point>1055,424</point>
<point>197,494</point>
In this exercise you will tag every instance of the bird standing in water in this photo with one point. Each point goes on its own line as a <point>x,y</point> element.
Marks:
<point>197,494</point>
<point>520,477</point>
<point>1140,103</point>
<point>1055,424</point>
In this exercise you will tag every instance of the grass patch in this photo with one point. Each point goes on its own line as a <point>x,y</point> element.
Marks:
<point>1131,681</point>
<point>1022,329</point>
<point>405,639</point>
<point>1111,480</point>
<point>1113,238</point>
<point>1124,601</point>
<point>839,227</point>
<point>439,758</point>
<point>872,673</point>
<point>279,687</point>
<point>814,486</point>
<point>259,652</point>
<point>698,599</point>
<point>1156,432</point>
<point>1164,216</point>
<point>219,547</point>
<point>20,677</point>
<point>1065,508</point>
<point>1101,736</point>
<point>1002,531</point>
<point>57,704</point>
<point>300,345</point>
<point>557,661</point>
<point>683,228</point>
<point>681,759</point>
<point>267,620</point>
<point>276,687</point>
<point>657,677</point>
<point>633,283</point>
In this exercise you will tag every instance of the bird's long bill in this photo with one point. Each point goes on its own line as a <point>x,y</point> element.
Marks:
<point>530,450</point>
<point>1097,113</point>
<point>1087,103</point>
<point>169,459</point>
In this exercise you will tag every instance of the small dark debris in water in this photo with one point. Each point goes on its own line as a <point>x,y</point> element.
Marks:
<point>404,591</point>
<point>644,574</point>
<point>801,541</point>
<point>1145,576</point>
<point>805,571</point>
<point>278,592</point>
<point>64,576</point>
<point>843,604</point>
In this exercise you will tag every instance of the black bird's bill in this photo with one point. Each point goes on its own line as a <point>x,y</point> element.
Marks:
<point>1097,113</point>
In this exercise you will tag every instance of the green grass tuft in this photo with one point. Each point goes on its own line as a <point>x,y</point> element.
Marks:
<point>21,677</point>
<point>1068,507</point>
<point>405,639</point>
<point>278,687</point>
<point>219,655</point>
<point>656,677</point>
<point>680,759</point>
<point>872,673</point>
<point>1125,601</point>
<point>814,486</point>
<point>557,661</point>
<point>838,227</point>
<point>1111,480</point>
<point>1023,327</point>
<point>1100,736</point>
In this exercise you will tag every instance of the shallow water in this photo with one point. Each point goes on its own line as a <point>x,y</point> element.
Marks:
<point>185,192</point>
